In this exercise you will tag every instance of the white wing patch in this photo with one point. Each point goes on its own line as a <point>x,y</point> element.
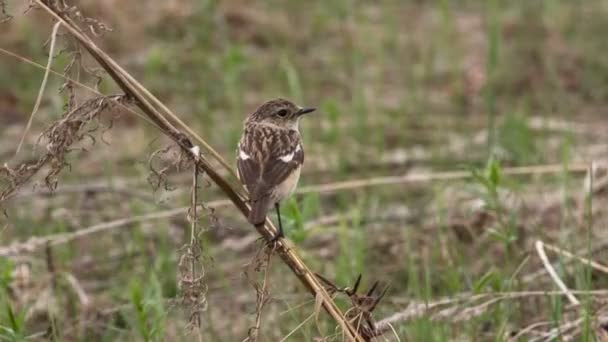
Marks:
<point>287,158</point>
<point>243,155</point>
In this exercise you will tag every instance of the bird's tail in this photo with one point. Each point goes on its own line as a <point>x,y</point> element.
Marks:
<point>259,208</point>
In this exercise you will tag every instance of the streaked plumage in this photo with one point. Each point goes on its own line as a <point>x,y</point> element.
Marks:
<point>270,155</point>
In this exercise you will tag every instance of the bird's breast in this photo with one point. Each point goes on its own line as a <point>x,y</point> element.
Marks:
<point>288,186</point>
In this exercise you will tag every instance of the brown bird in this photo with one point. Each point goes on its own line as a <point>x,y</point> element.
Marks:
<point>270,156</point>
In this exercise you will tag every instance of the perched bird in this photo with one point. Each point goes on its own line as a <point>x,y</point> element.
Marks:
<point>270,156</point>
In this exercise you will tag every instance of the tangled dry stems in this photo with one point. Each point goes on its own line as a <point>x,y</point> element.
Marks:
<point>259,264</point>
<point>157,113</point>
<point>59,139</point>
<point>463,312</point>
<point>5,16</point>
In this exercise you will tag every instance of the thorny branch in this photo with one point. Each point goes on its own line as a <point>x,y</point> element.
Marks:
<point>362,306</point>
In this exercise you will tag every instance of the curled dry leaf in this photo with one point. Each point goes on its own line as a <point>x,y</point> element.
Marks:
<point>59,139</point>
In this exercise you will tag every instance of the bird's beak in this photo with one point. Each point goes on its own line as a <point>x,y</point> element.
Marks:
<point>303,111</point>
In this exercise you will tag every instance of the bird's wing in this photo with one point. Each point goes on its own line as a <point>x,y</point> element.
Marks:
<point>247,167</point>
<point>286,156</point>
<point>265,160</point>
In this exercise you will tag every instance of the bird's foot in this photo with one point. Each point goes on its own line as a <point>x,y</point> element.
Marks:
<point>276,238</point>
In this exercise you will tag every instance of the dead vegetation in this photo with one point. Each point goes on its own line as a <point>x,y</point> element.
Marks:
<point>64,133</point>
<point>474,224</point>
<point>58,140</point>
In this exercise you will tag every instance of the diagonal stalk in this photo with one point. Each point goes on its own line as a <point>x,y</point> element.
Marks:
<point>143,99</point>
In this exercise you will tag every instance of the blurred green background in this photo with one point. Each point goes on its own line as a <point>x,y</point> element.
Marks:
<point>402,87</point>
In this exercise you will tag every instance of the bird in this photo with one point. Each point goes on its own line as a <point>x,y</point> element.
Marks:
<point>270,157</point>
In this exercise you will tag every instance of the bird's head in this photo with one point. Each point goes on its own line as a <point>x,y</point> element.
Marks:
<point>279,112</point>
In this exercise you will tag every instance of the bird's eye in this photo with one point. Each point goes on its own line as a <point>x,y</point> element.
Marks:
<point>282,113</point>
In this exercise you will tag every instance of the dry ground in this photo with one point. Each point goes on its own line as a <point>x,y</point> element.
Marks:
<point>450,139</point>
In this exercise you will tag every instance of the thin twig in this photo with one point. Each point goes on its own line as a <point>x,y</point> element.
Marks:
<point>557,331</point>
<point>333,187</point>
<point>438,176</point>
<point>193,219</point>
<point>297,327</point>
<point>36,243</point>
<point>42,86</point>
<point>4,15</point>
<point>149,104</point>
<point>543,257</point>
<point>446,308</point>
<point>529,329</point>
<point>76,82</point>
<point>78,289</point>
<point>565,253</point>
<point>194,288</point>
<point>261,293</point>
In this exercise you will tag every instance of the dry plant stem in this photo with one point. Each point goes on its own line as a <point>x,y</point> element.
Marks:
<point>195,318</point>
<point>4,15</point>
<point>559,331</point>
<point>132,88</point>
<point>194,218</point>
<point>37,243</point>
<point>528,330</point>
<point>596,248</point>
<point>125,186</point>
<point>452,309</point>
<point>68,79</point>
<point>61,135</point>
<point>298,327</point>
<point>543,256</point>
<point>124,79</point>
<point>569,255</point>
<point>78,289</point>
<point>261,297</point>
<point>438,176</point>
<point>42,86</point>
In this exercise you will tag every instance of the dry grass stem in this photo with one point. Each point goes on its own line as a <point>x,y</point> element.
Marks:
<point>149,105</point>
<point>597,247</point>
<point>59,137</point>
<point>539,245</point>
<point>298,327</point>
<point>36,243</point>
<point>257,265</point>
<point>42,85</point>
<point>192,282</point>
<point>438,176</point>
<point>331,187</point>
<point>485,217</point>
<point>565,253</point>
<point>83,298</point>
<point>5,16</point>
<point>468,306</point>
<point>72,82</point>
